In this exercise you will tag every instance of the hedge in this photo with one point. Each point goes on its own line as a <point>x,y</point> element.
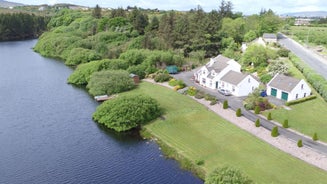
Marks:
<point>318,82</point>
<point>293,102</point>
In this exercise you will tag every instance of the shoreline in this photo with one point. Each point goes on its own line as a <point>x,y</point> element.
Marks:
<point>305,154</point>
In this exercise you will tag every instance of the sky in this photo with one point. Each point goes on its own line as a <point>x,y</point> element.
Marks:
<point>247,7</point>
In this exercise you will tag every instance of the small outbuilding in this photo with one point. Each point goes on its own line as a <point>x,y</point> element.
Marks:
<point>135,78</point>
<point>287,88</point>
<point>269,38</point>
<point>172,69</point>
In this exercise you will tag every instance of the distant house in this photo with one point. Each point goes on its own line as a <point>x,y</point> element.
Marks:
<point>287,88</point>
<point>172,69</point>
<point>210,74</point>
<point>269,38</point>
<point>238,84</point>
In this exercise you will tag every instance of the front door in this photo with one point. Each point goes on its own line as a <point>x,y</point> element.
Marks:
<point>217,85</point>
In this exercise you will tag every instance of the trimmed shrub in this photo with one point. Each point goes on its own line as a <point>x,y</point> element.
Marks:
<point>274,132</point>
<point>213,102</point>
<point>315,136</point>
<point>257,123</point>
<point>269,116</point>
<point>225,104</point>
<point>199,95</point>
<point>257,110</point>
<point>238,112</point>
<point>209,97</point>
<point>162,77</point>
<point>199,162</point>
<point>299,143</point>
<point>285,124</point>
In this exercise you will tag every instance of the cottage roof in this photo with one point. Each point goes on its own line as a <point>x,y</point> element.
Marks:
<point>233,77</point>
<point>269,36</point>
<point>283,82</point>
<point>220,62</point>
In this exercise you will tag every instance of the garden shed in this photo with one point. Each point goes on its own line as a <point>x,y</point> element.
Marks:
<point>172,69</point>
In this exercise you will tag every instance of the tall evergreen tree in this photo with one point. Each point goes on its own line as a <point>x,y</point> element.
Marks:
<point>97,12</point>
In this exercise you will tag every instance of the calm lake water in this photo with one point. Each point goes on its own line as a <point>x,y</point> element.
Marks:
<point>47,134</point>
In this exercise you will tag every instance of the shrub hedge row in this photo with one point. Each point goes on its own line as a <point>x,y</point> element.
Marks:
<point>316,80</point>
<point>293,102</point>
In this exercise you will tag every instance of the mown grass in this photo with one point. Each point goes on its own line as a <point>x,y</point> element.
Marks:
<point>198,134</point>
<point>308,117</point>
<point>310,35</point>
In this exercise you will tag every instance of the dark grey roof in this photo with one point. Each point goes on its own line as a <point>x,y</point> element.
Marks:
<point>233,77</point>
<point>283,82</point>
<point>269,36</point>
<point>220,62</point>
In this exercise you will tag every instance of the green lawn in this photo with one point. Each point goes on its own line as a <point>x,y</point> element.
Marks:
<point>312,35</point>
<point>200,134</point>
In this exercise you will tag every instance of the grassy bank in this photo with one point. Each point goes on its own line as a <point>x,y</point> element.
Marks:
<point>200,135</point>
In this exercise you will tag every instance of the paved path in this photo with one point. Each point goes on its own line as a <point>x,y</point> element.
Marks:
<point>315,61</point>
<point>235,103</point>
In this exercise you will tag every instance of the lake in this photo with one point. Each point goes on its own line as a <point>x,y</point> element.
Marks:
<point>47,134</point>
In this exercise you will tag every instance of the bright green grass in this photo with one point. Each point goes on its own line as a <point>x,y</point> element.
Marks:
<point>200,134</point>
<point>312,35</point>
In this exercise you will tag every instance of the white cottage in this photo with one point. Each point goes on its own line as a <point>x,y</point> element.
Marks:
<point>238,84</point>
<point>288,88</point>
<point>210,74</point>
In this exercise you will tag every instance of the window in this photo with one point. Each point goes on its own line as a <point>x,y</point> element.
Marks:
<point>302,86</point>
<point>249,80</point>
<point>304,95</point>
<point>233,88</point>
<point>296,96</point>
<point>203,80</point>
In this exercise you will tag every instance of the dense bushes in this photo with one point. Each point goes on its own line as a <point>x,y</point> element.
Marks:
<point>293,102</point>
<point>256,102</point>
<point>80,55</point>
<point>299,143</point>
<point>227,175</point>
<point>316,80</point>
<point>125,113</point>
<point>110,82</point>
<point>83,72</point>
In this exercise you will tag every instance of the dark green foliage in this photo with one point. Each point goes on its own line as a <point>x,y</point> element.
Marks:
<point>269,116</point>
<point>257,56</point>
<point>227,175</point>
<point>274,132</point>
<point>257,110</point>
<point>127,112</point>
<point>283,52</point>
<point>299,143</point>
<point>225,104</point>
<point>254,100</point>
<point>192,91</point>
<point>209,97</point>
<point>213,102</point>
<point>301,100</point>
<point>265,78</point>
<point>80,55</point>
<point>199,162</point>
<point>110,82</point>
<point>257,123</point>
<point>18,26</point>
<point>83,72</point>
<point>315,136</point>
<point>238,112</point>
<point>285,124</point>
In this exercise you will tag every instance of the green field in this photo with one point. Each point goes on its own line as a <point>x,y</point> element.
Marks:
<point>309,35</point>
<point>199,134</point>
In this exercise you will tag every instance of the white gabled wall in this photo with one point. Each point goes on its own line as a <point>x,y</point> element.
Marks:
<point>244,88</point>
<point>300,91</point>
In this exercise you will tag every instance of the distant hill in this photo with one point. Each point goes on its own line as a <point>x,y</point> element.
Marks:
<point>7,4</point>
<point>307,14</point>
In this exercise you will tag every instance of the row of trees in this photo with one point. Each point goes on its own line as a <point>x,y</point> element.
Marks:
<point>21,26</point>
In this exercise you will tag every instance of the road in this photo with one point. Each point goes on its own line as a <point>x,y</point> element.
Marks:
<point>315,61</point>
<point>236,102</point>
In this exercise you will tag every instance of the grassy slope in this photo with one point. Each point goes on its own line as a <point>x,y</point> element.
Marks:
<point>307,117</point>
<point>200,134</point>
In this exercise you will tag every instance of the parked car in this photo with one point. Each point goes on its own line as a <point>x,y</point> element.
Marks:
<point>224,92</point>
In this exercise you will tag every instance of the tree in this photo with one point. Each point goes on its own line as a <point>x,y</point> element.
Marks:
<point>269,116</point>
<point>257,123</point>
<point>96,13</point>
<point>274,132</point>
<point>276,67</point>
<point>255,55</point>
<point>110,82</point>
<point>227,175</point>
<point>257,110</point>
<point>315,136</point>
<point>225,9</point>
<point>127,112</point>
<point>250,36</point>
<point>269,22</point>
